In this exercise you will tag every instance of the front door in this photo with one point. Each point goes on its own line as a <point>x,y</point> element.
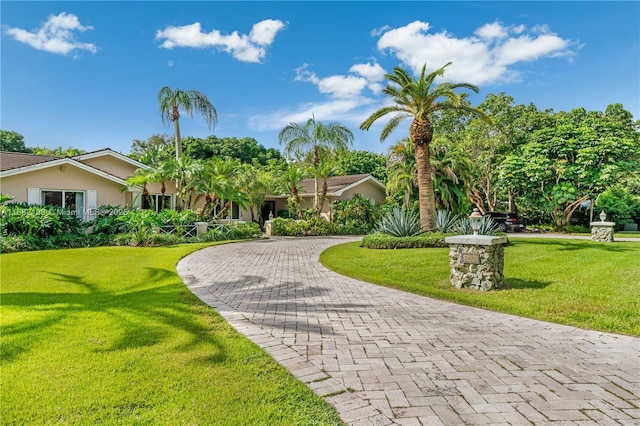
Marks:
<point>268,207</point>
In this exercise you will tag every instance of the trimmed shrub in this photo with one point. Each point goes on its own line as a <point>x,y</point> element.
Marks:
<point>381,240</point>
<point>287,227</point>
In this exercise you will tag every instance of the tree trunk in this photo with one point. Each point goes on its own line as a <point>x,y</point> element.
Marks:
<point>512,201</point>
<point>175,117</point>
<point>426,196</point>
<point>421,134</point>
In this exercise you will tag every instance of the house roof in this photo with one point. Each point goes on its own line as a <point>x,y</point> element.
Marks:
<point>14,163</point>
<point>16,160</point>
<point>337,185</point>
<point>108,151</point>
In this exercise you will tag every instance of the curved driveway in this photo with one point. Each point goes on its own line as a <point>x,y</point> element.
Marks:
<point>383,356</point>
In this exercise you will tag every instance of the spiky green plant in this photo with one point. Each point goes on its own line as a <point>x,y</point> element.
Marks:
<point>446,221</point>
<point>400,222</point>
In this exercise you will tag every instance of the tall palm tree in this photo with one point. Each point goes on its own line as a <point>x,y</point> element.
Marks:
<point>418,99</point>
<point>314,137</point>
<point>289,183</point>
<point>189,101</point>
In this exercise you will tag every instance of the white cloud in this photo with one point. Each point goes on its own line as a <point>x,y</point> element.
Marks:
<point>57,35</point>
<point>492,31</point>
<point>346,100</point>
<point>481,59</point>
<point>243,47</point>
<point>351,112</point>
<point>361,76</point>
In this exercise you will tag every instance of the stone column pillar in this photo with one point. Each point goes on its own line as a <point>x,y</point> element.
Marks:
<point>201,228</point>
<point>476,261</point>
<point>268,227</point>
<point>602,231</point>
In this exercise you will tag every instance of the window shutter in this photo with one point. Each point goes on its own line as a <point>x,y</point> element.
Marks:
<point>92,204</point>
<point>33,195</point>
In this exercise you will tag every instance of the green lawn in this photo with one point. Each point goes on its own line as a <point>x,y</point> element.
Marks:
<point>576,282</point>
<point>112,336</point>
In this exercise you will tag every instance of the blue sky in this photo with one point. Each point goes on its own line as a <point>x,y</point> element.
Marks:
<point>87,74</point>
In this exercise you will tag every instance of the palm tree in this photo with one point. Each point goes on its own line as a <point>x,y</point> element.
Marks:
<point>289,182</point>
<point>140,178</point>
<point>313,138</point>
<point>418,99</point>
<point>325,170</point>
<point>190,101</point>
<point>186,172</point>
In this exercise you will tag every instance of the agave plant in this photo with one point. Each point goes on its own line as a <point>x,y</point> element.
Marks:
<point>400,222</point>
<point>486,226</point>
<point>446,221</point>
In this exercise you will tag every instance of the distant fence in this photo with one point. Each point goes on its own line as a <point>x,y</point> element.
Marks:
<point>197,228</point>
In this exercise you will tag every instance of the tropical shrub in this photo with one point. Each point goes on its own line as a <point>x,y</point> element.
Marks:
<point>381,240</point>
<point>106,221</point>
<point>355,216</point>
<point>298,228</point>
<point>620,206</point>
<point>40,221</point>
<point>287,227</point>
<point>400,222</point>
<point>318,226</point>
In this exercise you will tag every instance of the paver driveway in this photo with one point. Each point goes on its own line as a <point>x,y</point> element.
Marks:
<point>382,356</point>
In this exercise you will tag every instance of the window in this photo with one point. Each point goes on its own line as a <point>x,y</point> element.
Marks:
<point>71,200</point>
<point>154,202</point>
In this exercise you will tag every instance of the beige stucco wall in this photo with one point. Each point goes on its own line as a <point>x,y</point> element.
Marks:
<point>112,165</point>
<point>73,179</point>
<point>368,190</point>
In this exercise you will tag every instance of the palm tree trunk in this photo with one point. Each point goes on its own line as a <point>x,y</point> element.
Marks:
<point>176,124</point>
<point>316,164</point>
<point>421,134</point>
<point>426,196</point>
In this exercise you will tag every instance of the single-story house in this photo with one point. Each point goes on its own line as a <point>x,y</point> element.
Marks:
<point>338,188</point>
<point>87,181</point>
<point>82,183</point>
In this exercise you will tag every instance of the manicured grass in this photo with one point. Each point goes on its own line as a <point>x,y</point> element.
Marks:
<point>576,282</point>
<point>112,336</point>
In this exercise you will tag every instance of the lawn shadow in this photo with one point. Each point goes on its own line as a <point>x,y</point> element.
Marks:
<point>518,284</point>
<point>283,305</point>
<point>144,316</point>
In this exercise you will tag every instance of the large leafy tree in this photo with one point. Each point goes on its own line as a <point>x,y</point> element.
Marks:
<point>313,139</point>
<point>357,162</point>
<point>246,150</point>
<point>156,147</point>
<point>418,99</point>
<point>577,158</point>
<point>189,101</point>
<point>12,141</point>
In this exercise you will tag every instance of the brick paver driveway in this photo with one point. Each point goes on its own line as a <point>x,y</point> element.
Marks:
<point>382,356</point>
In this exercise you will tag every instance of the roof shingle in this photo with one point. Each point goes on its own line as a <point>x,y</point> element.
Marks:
<point>15,160</point>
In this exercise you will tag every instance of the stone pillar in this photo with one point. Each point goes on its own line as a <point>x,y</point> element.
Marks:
<point>201,228</point>
<point>268,227</point>
<point>476,261</point>
<point>602,231</point>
